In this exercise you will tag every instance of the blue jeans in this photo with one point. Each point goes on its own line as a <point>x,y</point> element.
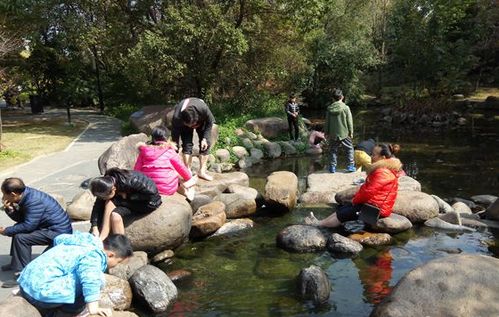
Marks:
<point>335,145</point>
<point>51,309</point>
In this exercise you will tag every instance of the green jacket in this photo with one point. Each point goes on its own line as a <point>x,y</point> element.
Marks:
<point>339,123</point>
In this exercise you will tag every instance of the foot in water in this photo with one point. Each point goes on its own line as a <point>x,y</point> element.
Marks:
<point>312,220</point>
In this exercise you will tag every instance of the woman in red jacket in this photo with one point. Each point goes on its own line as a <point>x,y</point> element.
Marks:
<point>380,190</point>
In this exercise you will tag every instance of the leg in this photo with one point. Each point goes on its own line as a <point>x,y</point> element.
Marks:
<point>203,163</point>
<point>333,156</point>
<point>186,137</point>
<point>117,226</point>
<point>22,243</point>
<point>106,219</point>
<point>347,143</point>
<point>297,130</point>
<point>290,127</point>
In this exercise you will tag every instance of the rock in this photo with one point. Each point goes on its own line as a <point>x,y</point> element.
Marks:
<point>244,191</point>
<point>165,228</point>
<point>407,183</point>
<point>208,219</point>
<point>153,288</point>
<point>220,183</point>
<point>240,151</point>
<point>443,206</point>
<point>179,275</point>
<point>239,132</point>
<point>81,206</point>
<point>60,199</point>
<point>322,187</point>
<point>484,200</point>
<point>457,96</point>
<point>492,211</point>
<point>199,201</point>
<point>301,238</point>
<point>371,239</point>
<point>162,256</point>
<point>287,148</point>
<point>313,151</point>
<point>461,208</point>
<point>122,153</point>
<point>492,102</point>
<point>16,306</point>
<point>461,121</point>
<point>346,196</point>
<point>448,286</point>
<point>281,190</point>
<point>340,244</point>
<point>392,224</point>
<point>451,217</point>
<point>222,155</point>
<point>215,168</point>
<point>149,117</point>
<point>467,202</point>
<point>272,149</point>
<point>314,284</point>
<point>237,206</point>
<point>120,314</point>
<point>245,162</point>
<point>116,294</point>
<point>125,270</point>
<point>441,224</point>
<point>315,198</point>
<point>226,167</point>
<point>256,154</point>
<point>268,127</point>
<point>234,226</point>
<point>415,206</point>
<point>247,143</point>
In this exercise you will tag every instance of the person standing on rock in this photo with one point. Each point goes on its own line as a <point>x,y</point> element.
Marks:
<point>160,161</point>
<point>379,190</point>
<point>292,111</point>
<point>68,278</point>
<point>120,193</point>
<point>193,114</point>
<point>39,219</point>
<point>339,131</point>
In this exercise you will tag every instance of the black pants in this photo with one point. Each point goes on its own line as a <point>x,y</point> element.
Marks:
<point>51,309</point>
<point>293,124</point>
<point>186,135</point>
<point>20,248</point>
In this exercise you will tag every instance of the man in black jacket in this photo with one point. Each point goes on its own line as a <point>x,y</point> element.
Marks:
<point>39,219</point>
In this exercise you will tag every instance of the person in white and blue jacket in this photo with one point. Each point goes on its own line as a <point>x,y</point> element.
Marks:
<point>292,111</point>
<point>68,277</point>
<point>39,219</point>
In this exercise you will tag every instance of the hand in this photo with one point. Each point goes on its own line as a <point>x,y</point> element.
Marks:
<point>351,136</point>
<point>8,206</point>
<point>95,231</point>
<point>2,230</point>
<point>204,144</point>
<point>94,309</point>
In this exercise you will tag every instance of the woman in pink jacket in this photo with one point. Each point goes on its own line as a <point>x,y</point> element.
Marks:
<point>159,161</point>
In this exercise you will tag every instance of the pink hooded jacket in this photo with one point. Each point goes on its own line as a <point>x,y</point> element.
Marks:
<point>163,165</point>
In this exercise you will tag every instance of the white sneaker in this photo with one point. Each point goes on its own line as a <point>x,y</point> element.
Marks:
<point>190,193</point>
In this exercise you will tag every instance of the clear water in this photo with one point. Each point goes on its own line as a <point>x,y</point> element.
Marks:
<point>247,275</point>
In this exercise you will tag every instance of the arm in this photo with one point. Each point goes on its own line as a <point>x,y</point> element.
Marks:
<point>349,122</point>
<point>326,124</point>
<point>89,272</point>
<point>139,162</point>
<point>374,183</point>
<point>288,110</point>
<point>180,167</point>
<point>33,215</point>
<point>208,125</point>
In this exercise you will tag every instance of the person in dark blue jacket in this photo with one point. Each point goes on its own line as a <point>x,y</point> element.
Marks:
<point>39,219</point>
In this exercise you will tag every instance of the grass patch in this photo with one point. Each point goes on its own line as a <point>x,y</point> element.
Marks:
<point>23,141</point>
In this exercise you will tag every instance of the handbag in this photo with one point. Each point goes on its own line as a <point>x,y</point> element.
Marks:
<point>369,213</point>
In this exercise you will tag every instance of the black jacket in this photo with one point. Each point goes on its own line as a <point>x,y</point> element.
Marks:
<point>206,119</point>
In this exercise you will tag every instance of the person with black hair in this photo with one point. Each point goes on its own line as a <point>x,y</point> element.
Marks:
<point>292,111</point>
<point>39,219</point>
<point>379,190</point>
<point>193,114</point>
<point>120,193</point>
<point>316,136</point>
<point>339,131</point>
<point>68,277</point>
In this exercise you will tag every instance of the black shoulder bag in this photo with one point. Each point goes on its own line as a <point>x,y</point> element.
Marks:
<point>369,213</point>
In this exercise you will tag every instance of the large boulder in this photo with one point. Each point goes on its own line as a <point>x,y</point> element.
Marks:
<point>16,306</point>
<point>237,206</point>
<point>220,183</point>
<point>443,206</point>
<point>281,190</point>
<point>288,148</point>
<point>244,191</point>
<point>371,239</point>
<point>199,201</point>
<point>150,117</point>
<point>407,183</point>
<point>234,226</point>
<point>153,288</point>
<point>272,149</point>
<point>415,206</point>
<point>268,127</point>
<point>126,269</point>
<point>339,244</point>
<point>461,208</point>
<point>116,294</point>
<point>393,224</point>
<point>165,228</point>
<point>456,285</point>
<point>81,206</point>
<point>314,284</point>
<point>223,155</point>
<point>122,154</point>
<point>208,219</point>
<point>322,187</point>
<point>346,196</point>
<point>484,200</point>
<point>492,211</point>
<point>301,238</point>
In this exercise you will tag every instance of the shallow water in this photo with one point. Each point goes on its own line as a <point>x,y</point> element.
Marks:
<point>247,275</point>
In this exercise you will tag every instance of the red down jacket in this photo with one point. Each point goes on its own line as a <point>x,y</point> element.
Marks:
<point>381,186</point>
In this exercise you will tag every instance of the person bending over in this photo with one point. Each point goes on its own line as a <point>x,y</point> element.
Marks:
<point>120,193</point>
<point>68,277</point>
<point>379,190</point>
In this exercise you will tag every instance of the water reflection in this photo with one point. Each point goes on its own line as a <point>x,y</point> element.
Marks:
<point>375,273</point>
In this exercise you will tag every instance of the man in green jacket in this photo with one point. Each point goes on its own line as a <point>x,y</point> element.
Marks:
<point>339,131</point>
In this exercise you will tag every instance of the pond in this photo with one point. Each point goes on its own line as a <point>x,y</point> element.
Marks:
<point>247,275</point>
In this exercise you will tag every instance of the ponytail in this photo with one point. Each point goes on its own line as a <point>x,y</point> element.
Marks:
<point>385,150</point>
<point>394,148</point>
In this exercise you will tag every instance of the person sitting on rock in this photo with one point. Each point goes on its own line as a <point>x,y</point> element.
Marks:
<point>68,278</point>
<point>120,193</point>
<point>193,114</point>
<point>379,190</point>
<point>159,161</point>
<point>39,219</point>
<point>315,137</point>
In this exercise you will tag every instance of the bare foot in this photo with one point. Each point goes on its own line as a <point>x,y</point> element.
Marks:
<point>312,220</point>
<point>205,176</point>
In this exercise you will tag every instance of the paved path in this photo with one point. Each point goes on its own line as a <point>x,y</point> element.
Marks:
<point>62,172</point>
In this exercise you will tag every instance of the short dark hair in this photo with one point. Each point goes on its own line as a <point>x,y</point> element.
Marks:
<point>13,185</point>
<point>189,116</point>
<point>119,244</point>
<point>385,150</point>
<point>337,94</point>
<point>101,186</point>
<point>158,134</point>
